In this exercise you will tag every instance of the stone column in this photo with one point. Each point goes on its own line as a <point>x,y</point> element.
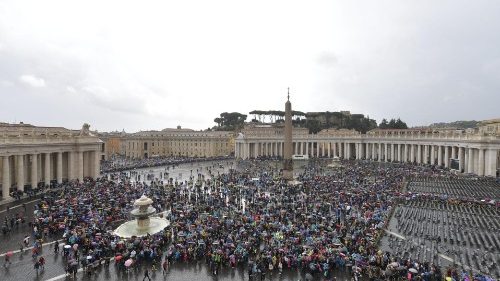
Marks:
<point>71,165</point>
<point>412,153</point>
<point>491,168</point>
<point>419,154</point>
<point>454,152</point>
<point>34,171</point>
<point>405,153</point>
<point>470,161</point>
<point>46,177</point>
<point>328,147</point>
<point>59,167</point>
<point>392,153</point>
<point>433,154</point>
<point>5,177</point>
<point>446,157</point>
<point>351,147</point>
<point>97,164</point>
<point>461,160</point>
<point>386,152</point>
<point>20,172</point>
<point>480,166</point>
<point>307,148</point>
<point>440,155</point>
<point>400,146</point>
<point>79,166</point>
<point>425,157</point>
<point>378,151</point>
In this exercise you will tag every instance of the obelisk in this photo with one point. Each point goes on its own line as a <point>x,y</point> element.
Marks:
<point>287,155</point>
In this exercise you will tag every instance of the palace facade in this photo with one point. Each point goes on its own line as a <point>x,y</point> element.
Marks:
<point>32,155</point>
<point>471,151</point>
<point>178,142</point>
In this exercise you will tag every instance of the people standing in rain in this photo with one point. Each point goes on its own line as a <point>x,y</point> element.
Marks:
<point>146,275</point>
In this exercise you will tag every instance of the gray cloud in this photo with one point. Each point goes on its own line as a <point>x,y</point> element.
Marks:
<point>422,61</point>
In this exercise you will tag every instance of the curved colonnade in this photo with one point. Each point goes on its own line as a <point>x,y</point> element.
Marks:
<point>470,152</point>
<point>32,156</point>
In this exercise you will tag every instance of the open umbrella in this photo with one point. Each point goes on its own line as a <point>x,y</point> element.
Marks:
<point>412,270</point>
<point>118,258</point>
<point>129,262</point>
<point>9,254</point>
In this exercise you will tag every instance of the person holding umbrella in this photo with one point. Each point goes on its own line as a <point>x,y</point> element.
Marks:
<point>7,258</point>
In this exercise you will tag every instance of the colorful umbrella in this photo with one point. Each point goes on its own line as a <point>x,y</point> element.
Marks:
<point>129,262</point>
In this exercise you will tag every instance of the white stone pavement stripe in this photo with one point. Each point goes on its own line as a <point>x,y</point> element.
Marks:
<point>17,206</point>
<point>29,248</point>
<point>395,234</point>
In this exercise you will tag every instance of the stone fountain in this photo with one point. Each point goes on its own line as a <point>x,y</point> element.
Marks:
<point>144,222</point>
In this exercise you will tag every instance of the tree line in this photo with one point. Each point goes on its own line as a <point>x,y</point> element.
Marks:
<point>314,121</point>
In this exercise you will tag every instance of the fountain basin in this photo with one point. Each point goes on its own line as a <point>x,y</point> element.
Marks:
<point>129,229</point>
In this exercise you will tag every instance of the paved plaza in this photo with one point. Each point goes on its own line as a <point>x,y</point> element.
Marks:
<point>333,221</point>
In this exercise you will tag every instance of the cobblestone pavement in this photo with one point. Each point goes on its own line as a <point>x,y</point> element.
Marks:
<point>21,268</point>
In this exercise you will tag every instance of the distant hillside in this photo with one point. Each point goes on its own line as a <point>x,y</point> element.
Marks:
<point>456,124</point>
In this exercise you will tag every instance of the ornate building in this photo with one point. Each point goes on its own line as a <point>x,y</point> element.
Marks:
<point>33,155</point>
<point>178,142</point>
<point>473,150</point>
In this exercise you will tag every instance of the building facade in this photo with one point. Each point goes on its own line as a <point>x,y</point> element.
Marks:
<point>33,155</point>
<point>113,144</point>
<point>474,151</point>
<point>178,142</point>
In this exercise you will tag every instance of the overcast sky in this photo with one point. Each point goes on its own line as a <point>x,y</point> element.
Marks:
<point>151,64</point>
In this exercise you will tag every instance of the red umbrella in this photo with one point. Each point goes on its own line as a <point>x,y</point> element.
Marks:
<point>9,254</point>
<point>118,258</point>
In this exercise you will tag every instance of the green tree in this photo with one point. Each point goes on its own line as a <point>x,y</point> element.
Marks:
<point>384,124</point>
<point>229,121</point>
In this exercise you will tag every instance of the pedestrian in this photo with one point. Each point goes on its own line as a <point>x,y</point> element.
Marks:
<point>26,241</point>
<point>165,266</point>
<point>37,266</point>
<point>7,260</point>
<point>56,247</point>
<point>24,207</point>
<point>146,274</point>
<point>41,260</point>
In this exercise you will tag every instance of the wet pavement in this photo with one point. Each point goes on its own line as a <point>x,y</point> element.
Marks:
<point>21,266</point>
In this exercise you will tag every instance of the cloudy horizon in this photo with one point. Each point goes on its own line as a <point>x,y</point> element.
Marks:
<point>120,65</point>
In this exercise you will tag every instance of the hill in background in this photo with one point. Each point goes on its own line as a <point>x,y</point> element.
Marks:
<point>456,124</point>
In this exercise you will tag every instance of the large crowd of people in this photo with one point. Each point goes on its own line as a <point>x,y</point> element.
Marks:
<point>119,163</point>
<point>326,224</point>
